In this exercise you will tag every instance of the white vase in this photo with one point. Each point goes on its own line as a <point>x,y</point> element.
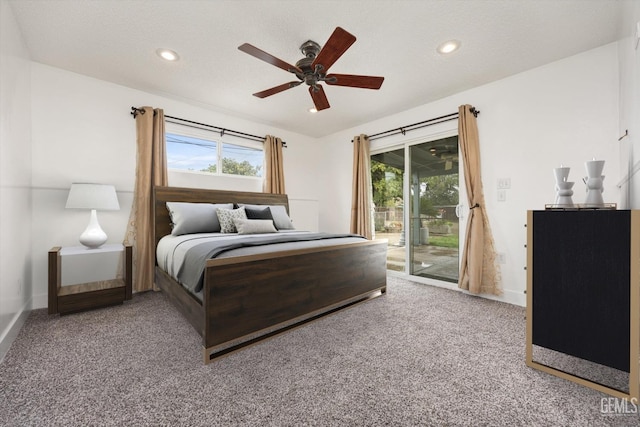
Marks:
<point>594,182</point>
<point>563,190</point>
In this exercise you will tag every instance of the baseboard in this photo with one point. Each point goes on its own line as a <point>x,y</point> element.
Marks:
<point>508,296</point>
<point>9,335</point>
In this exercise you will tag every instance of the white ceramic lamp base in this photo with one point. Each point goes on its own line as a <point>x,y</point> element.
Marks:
<point>93,236</point>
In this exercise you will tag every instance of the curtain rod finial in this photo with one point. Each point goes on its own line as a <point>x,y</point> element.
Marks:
<point>474,111</point>
<point>135,111</point>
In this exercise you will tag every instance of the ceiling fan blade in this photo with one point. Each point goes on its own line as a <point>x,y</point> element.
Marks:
<point>276,89</point>
<point>267,57</point>
<point>319,98</point>
<point>337,44</point>
<point>365,82</point>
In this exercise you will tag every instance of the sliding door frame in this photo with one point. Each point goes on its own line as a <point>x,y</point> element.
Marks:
<point>437,132</point>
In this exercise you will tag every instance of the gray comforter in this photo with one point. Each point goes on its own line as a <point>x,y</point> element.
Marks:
<point>184,257</point>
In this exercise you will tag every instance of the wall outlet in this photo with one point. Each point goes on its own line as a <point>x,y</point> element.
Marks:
<point>502,257</point>
<point>502,195</point>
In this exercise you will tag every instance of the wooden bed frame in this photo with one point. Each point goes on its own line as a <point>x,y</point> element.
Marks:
<point>250,298</point>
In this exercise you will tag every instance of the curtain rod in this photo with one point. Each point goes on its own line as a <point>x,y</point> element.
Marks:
<point>404,129</point>
<point>135,111</point>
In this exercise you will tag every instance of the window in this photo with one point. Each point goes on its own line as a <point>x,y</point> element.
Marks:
<point>198,150</point>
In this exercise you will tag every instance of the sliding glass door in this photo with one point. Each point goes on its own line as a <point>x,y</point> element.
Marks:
<point>387,177</point>
<point>417,212</point>
<point>433,193</point>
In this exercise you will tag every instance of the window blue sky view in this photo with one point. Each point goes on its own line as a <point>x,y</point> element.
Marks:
<point>185,152</point>
<point>189,153</point>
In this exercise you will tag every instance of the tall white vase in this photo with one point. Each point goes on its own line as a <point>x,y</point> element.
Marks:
<point>594,182</point>
<point>564,188</point>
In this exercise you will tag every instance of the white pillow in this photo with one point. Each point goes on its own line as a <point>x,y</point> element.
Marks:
<point>188,218</point>
<point>254,226</point>
<point>226,217</point>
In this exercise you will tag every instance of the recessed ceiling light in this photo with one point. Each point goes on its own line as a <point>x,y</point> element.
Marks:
<point>313,110</point>
<point>448,47</point>
<point>167,54</point>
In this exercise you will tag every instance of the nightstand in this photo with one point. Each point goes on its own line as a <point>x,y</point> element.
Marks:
<point>82,279</point>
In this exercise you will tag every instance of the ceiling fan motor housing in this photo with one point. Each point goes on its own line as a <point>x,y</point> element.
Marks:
<point>310,49</point>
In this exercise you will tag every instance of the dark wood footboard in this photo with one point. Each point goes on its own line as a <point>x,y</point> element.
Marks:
<point>248,297</point>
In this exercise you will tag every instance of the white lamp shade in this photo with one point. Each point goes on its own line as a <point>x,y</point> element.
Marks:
<point>93,196</point>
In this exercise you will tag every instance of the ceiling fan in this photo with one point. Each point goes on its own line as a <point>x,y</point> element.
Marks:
<point>313,68</point>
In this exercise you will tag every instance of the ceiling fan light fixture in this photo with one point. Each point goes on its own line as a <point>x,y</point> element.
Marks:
<point>448,47</point>
<point>167,54</point>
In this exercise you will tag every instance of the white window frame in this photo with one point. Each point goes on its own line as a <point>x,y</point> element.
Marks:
<point>220,141</point>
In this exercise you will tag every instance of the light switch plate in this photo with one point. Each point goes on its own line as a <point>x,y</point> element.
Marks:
<point>504,183</point>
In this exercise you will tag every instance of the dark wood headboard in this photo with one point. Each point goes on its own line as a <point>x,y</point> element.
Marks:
<point>162,195</point>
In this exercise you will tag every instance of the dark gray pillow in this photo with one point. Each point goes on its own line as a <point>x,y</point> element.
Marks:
<point>189,218</point>
<point>258,213</point>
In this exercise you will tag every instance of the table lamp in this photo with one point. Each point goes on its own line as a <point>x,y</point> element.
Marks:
<point>95,197</point>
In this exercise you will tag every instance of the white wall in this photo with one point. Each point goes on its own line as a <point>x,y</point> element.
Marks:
<point>564,112</point>
<point>83,131</point>
<point>629,54</point>
<point>15,179</point>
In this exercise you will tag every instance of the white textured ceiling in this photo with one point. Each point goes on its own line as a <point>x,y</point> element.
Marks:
<point>116,40</point>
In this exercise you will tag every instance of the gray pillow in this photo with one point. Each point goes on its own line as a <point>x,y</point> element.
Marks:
<point>254,226</point>
<point>280,218</point>
<point>226,217</point>
<point>188,218</point>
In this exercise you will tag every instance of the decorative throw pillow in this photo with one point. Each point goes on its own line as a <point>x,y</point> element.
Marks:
<point>254,226</point>
<point>188,218</point>
<point>226,217</point>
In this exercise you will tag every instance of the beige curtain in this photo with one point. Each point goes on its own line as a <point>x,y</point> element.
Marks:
<point>151,170</point>
<point>274,166</point>
<point>479,272</point>
<point>361,194</point>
